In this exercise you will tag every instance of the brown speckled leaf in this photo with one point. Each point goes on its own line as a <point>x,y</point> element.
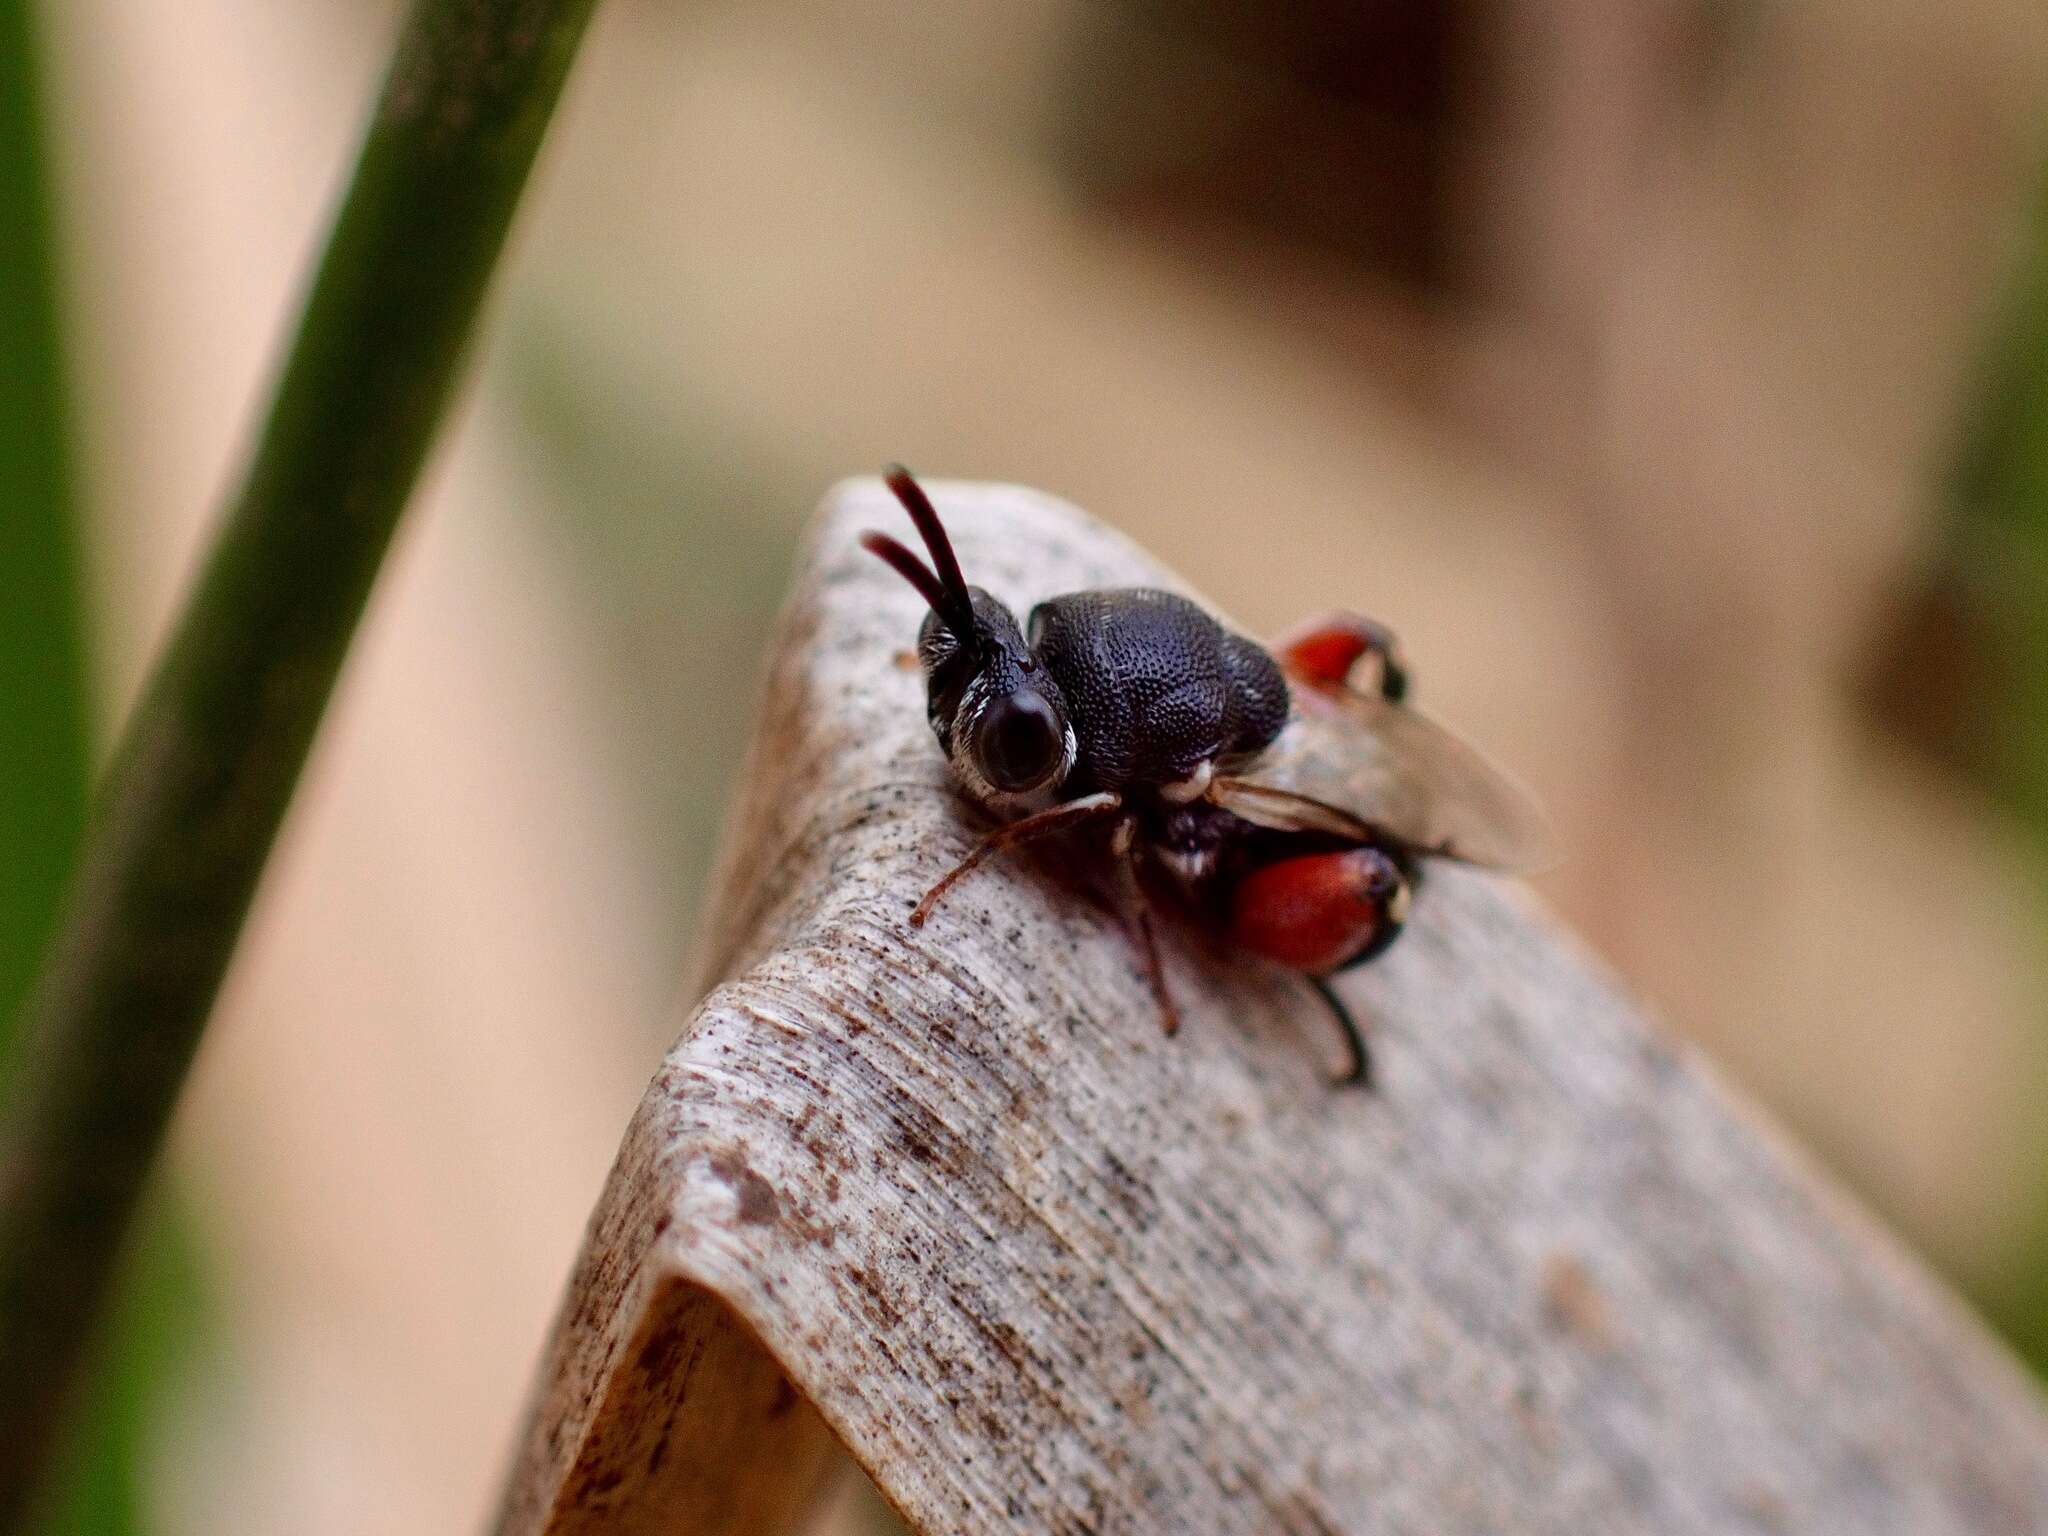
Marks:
<point>1040,1269</point>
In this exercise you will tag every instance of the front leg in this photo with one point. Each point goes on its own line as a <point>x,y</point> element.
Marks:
<point>1060,817</point>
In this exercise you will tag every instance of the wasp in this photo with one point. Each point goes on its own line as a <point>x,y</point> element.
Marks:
<point>1287,801</point>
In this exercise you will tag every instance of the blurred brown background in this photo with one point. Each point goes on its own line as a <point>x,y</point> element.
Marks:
<point>1627,358</point>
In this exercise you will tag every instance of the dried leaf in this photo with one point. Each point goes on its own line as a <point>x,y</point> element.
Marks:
<point>1041,1269</point>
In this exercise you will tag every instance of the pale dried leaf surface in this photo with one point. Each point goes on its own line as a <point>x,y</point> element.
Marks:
<point>1041,1269</point>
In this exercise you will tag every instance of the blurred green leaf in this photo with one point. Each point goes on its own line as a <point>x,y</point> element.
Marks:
<point>2002,493</point>
<point>155,1323</point>
<point>184,819</point>
<point>44,766</point>
<point>1963,672</point>
<point>43,711</point>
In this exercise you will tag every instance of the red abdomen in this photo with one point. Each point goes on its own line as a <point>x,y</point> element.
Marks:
<point>1321,911</point>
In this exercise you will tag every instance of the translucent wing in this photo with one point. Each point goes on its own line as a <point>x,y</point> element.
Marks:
<point>1350,762</point>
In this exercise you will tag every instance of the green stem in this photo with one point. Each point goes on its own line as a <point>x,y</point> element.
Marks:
<point>45,761</point>
<point>188,810</point>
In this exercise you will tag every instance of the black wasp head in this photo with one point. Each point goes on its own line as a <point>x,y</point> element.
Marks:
<point>998,714</point>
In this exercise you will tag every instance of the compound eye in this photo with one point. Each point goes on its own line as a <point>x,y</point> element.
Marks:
<point>1019,742</point>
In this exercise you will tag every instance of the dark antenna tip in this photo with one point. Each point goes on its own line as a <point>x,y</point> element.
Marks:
<point>959,609</point>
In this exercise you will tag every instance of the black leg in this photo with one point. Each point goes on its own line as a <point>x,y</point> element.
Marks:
<point>1137,909</point>
<point>1361,1058</point>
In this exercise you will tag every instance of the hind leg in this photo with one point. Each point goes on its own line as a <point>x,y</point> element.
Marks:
<point>1319,913</point>
<point>1360,1070</point>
